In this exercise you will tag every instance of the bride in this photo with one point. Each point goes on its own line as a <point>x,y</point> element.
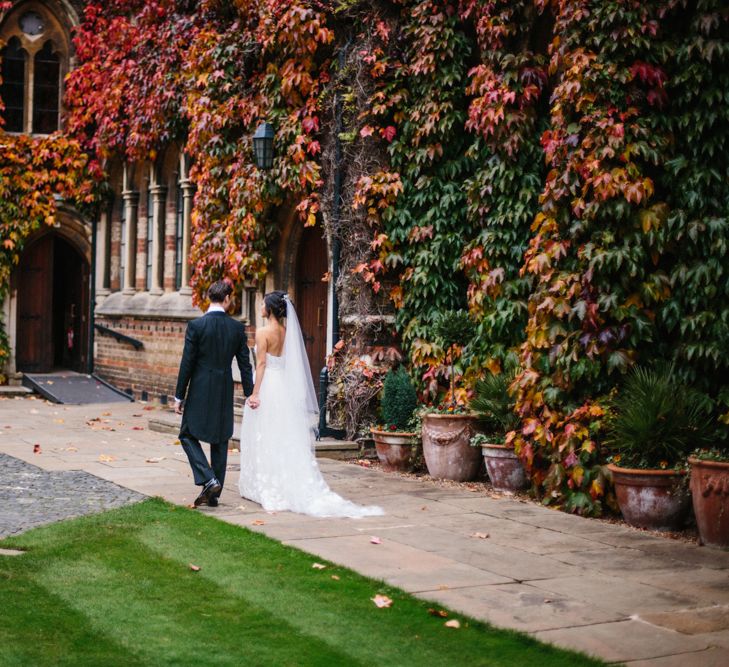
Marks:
<point>278,466</point>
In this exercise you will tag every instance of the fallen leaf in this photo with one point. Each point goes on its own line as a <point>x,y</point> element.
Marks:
<point>453,623</point>
<point>441,613</point>
<point>423,509</point>
<point>547,601</point>
<point>71,449</point>
<point>480,536</point>
<point>176,442</point>
<point>106,458</point>
<point>36,449</point>
<point>48,382</point>
<point>382,601</point>
<point>59,421</point>
<point>241,507</point>
<point>191,506</point>
<point>154,459</point>
<point>134,415</point>
<point>318,566</point>
<point>375,540</point>
<point>137,428</point>
<point>148,407</point>
<point>442,587</point>
<point>258,522</point>
<point>335,577</point>
<point>105,414</point>
<point>194,568</point>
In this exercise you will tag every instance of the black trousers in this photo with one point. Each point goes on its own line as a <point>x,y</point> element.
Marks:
<point>201,470</point>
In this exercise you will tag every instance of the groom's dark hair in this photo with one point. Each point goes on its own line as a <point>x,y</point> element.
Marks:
<point>219,290</point>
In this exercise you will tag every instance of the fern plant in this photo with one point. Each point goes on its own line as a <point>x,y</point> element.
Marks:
<point>494,406</point>
<point>399,400</point>
<point>656,421</point>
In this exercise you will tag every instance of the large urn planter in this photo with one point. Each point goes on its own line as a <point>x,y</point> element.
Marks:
<point>397,451</point>
<point>446,447</point>
<point>504,468</point>
<point>654,499</point>
<point>710,493</point>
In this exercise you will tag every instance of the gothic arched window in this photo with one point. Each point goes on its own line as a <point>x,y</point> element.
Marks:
<point>34,62</point>
<point>12,90</point>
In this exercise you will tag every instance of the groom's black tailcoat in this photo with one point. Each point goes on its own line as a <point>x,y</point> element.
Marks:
<point>205,380</point>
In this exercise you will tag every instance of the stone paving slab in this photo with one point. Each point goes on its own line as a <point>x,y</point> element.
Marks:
<point>615,592</point>
<point>522,607</point>
<point>711,657</point>
<point>629,640</point>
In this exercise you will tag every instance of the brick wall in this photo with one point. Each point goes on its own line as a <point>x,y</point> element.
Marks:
<point>153,368</point>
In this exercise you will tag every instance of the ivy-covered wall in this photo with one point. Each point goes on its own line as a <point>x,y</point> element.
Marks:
<point>559,168</point>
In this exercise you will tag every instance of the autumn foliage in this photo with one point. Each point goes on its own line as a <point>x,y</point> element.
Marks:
<point>556,168</point>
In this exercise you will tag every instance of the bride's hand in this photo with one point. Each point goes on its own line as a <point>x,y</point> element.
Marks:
<point>253,401</point>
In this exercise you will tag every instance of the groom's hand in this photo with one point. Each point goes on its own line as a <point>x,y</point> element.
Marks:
<point>178,406</point>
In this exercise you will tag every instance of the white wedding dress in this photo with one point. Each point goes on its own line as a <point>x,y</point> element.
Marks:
<point>278,467</point>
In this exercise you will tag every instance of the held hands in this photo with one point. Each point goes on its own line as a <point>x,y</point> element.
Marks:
<point>253,401</point>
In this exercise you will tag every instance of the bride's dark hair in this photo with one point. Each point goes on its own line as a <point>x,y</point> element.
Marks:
<point>276,304</point>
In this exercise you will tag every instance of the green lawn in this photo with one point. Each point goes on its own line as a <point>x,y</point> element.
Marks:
<point>117,589</point>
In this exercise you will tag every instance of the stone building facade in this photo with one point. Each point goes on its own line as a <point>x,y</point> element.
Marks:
<point>111,295</point>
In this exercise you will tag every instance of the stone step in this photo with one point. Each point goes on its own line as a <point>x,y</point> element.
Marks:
<point>10,391</point>
<point>325,448</point>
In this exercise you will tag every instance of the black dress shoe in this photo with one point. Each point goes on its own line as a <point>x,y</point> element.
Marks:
<point>211,490</point>
<point>213,501</point>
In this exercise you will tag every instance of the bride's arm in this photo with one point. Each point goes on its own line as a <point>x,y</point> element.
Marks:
<point>261,349</point>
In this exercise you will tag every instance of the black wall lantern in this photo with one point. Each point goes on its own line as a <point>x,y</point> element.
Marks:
<point>263,145</point>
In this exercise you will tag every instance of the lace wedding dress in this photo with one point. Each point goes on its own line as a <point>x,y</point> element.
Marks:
<point>278,467</point>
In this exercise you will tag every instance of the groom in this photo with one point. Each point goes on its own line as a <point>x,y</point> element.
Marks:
<point>205,385</point>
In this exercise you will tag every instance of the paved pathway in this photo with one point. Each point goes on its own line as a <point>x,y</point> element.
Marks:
<point>617,593</point>
<point>31,496</point>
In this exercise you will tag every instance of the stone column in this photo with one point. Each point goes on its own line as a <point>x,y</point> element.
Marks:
<point>131,203</point>
<point>170,226</point>
<point>158,240</point>
<point>103,245</point>
<point>188,192</point>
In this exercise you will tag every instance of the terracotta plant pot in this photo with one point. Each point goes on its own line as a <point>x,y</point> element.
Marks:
<point>504,468</point>
<point>651,499</point>
<point>710,493</point>
<point>396,450</point>
<point>446,447</point>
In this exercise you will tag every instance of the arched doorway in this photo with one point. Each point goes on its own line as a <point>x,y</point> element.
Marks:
<point>312,297</point>
<point>53,306</point>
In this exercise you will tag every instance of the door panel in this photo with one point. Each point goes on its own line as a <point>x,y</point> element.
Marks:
<point>311,297</point>
<point>34,350</point>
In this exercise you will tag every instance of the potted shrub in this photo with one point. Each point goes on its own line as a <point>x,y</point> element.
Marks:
<point>710,487</point>
<point>447,429</point>
<point>397,446</point>
<point>652,426</point>
<point>495,409</point>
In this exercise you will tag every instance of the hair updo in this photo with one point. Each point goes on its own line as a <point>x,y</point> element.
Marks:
<point>276,304</point>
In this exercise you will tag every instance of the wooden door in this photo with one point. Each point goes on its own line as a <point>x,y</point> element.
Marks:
<point>311,298</point>
<point>34,349</point>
